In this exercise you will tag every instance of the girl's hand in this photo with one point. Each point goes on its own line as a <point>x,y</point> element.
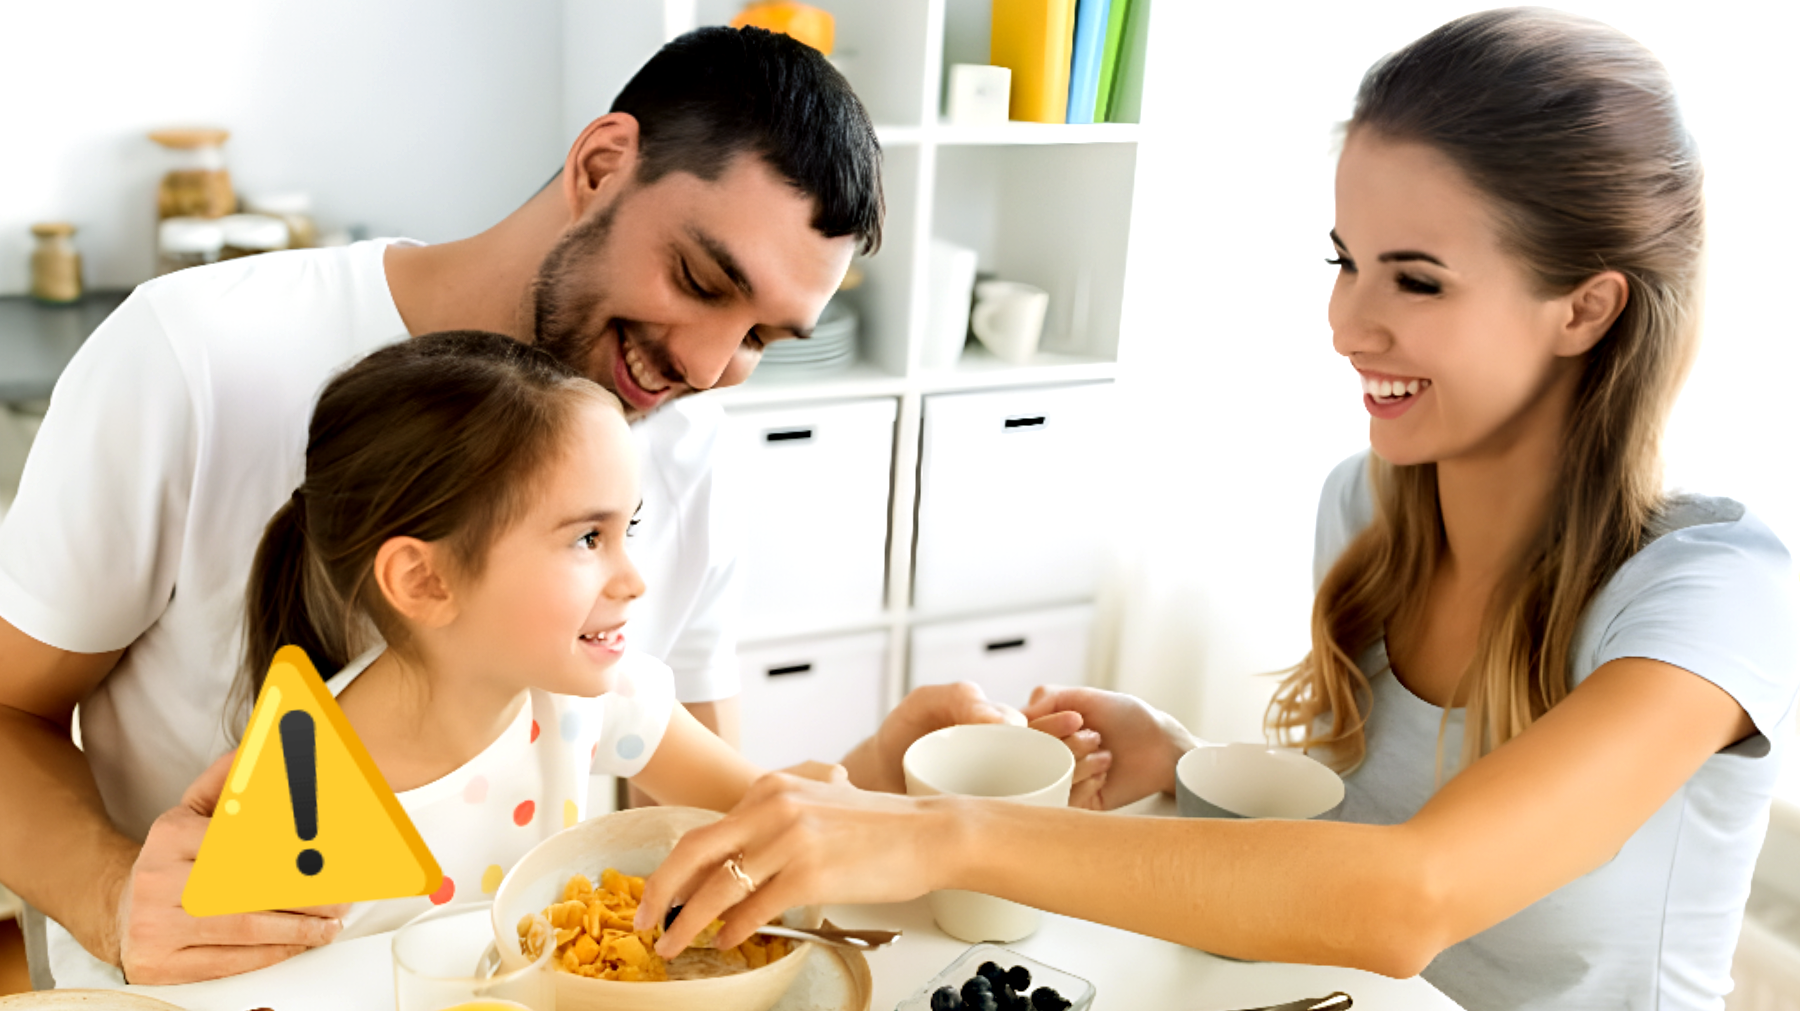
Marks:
<point>801,842</point>
<point>1136,750</point>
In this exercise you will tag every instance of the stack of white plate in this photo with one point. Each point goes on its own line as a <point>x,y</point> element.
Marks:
<point>830,349</point>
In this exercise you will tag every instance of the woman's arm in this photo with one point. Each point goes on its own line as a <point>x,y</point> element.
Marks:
<point>1550,805</point>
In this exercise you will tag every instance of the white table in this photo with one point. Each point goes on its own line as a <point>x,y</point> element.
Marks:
<point>1129,972</point>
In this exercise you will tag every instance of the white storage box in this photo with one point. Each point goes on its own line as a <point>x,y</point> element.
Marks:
<point>1008,655</point>
<point>1013,495</point>
<point>813,481</point>
<point>811,699</point>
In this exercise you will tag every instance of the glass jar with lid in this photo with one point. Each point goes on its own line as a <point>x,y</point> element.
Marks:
<point>187,242</point>
<point>295,209</point>
<point>197,184</point>
<point>246,234</point>
<point>55,264</point>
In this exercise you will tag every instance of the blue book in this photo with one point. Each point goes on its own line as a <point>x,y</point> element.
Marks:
<point>1089,53</point>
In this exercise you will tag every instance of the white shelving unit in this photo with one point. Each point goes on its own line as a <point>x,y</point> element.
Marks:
<point>1044,204</point>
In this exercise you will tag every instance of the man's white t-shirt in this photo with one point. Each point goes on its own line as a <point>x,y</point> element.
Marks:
<point>171,439</point>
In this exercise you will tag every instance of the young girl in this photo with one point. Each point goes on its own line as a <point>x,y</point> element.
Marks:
<point>1559,697</point>
<point>454,563</point>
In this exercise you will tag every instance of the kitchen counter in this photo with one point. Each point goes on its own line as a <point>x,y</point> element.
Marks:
<point>37,340</point>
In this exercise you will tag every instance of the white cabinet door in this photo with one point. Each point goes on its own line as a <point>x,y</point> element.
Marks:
<point>811,699</point>
<point>1008,655</point>
<point>813,483</point>
<point>1011,510</point>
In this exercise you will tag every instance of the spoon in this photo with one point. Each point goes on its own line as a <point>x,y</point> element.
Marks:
<point>836,937</point>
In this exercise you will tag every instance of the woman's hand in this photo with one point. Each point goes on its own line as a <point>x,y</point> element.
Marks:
<point>1134,751</point>
<point>159,942</point>
<point>801,842</point>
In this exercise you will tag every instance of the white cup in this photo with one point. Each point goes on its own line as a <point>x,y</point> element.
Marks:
<point>998,761</point>
<point>1253,781</point>
<point>947,326</point>
<point>1009,319</point>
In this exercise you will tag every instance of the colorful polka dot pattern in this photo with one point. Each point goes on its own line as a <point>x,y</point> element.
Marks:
<point>630,747</point>
<point>476,791</point>
<point>522,814</point>
<point>446,891</point>
<point>490,879</point>
<point>571,813</point>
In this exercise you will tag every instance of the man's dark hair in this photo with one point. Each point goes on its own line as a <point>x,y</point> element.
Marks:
<point>715,93</point>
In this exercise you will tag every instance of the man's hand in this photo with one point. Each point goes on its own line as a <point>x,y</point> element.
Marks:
<point>160,943</point>
<point>1140,744</point>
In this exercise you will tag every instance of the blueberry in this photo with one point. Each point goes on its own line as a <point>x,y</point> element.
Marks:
<point>976,988</point>
<point>991,972</point>
<point>1046,999</point>
<point>1019,978</point>
<point>944,998</point>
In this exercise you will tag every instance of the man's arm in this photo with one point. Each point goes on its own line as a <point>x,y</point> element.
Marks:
<point>58,848</point>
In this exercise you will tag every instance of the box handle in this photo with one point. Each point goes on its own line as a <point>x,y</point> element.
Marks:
<point>795,668</point>
<point>999,645</point>
<point>1026,421</point>
<point>788,435</point>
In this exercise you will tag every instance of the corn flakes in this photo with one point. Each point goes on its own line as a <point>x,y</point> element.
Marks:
<point>594,936</point>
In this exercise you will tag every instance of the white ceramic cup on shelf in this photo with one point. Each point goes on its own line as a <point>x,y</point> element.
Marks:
<point>1001,762</point>
<point>952,284</point>
<point>1009,319</point>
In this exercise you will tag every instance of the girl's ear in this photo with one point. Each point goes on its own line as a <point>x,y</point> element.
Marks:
<point>410,573</point>
<point>1593,306</point>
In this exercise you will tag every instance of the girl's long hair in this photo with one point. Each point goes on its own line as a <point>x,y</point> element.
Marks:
<point>1571,132</point>
<point>438,438</point>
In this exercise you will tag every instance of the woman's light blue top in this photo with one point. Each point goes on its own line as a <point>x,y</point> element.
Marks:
<point>1654,928</point>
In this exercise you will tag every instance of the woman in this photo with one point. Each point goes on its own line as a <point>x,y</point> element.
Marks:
<point>1518,240</point>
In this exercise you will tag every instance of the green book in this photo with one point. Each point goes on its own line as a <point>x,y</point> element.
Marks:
<point>1128,75</point>
<point>1109,57</point>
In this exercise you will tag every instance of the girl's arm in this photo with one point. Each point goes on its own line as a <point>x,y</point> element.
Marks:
<point>1540,811</point>
<point>692,767</point>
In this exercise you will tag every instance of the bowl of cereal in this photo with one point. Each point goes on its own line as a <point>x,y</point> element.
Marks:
<point>586,881</point>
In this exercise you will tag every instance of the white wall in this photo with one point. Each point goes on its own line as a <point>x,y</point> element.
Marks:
<point>429,118</point>
<point>1245,406</point>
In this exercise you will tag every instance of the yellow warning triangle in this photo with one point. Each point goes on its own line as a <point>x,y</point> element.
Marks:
<point>305,818</point>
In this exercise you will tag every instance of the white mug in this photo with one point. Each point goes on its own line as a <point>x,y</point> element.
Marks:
<point>1009,319</point>
<point>994,760</point>
<point>947,326</point>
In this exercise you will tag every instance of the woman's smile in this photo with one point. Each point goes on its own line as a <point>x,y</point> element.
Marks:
<point>1388,396</point>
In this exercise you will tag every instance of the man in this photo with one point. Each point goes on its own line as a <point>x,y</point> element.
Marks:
<point>712,211</point>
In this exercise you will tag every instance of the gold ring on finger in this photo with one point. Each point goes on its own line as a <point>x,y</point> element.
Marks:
<point>736,869</point>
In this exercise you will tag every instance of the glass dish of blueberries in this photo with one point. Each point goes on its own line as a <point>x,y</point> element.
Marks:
<point>991,978</point>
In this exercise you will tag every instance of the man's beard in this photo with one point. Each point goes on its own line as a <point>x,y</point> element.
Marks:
<point>562,306</point>
<point>567,295</point>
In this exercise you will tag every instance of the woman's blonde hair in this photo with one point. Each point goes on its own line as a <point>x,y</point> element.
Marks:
<point>1570,130</point>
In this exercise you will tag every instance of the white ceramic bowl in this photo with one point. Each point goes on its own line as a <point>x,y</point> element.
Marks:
<point>634,842</point>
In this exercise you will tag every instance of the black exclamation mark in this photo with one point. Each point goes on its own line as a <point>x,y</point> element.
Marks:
<point>303,785</point>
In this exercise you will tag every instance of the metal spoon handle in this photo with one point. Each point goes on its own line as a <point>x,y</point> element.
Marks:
<point>860,940</point>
